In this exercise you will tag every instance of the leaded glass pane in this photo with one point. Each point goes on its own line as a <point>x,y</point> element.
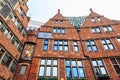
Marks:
<point>100,63</point>
<point>48,71</point>
<point>111,46</point>
<point>81,72</point>
<point>73,63</point>
<point>79,63</point>
<point>55,48</point>
<point>41,71</point>
<point>42,62</point>
<point>55,62</point>
<point>48,62</point>
<point>94,63</point>
<point>67,63</point>
<point>68,72</point>
<point>66,48</point>
<point>103,71</point>
<point>75,72</point>
<point>54,72</point>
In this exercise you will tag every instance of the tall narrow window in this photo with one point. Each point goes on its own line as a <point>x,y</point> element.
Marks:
<point>56,21</point>
<point>107,44</point>
<point>76,49</point>
<point>99,19</point>
<point>91,45</point>
<point>48,68</point>
<point>99,67</point>
<point>13,66</point>
<point>74,69</point>
<point>23,69</point>
<point>93,19</point>
<point>45,45</point>
<point>2,51</point>
<point>116,64</point>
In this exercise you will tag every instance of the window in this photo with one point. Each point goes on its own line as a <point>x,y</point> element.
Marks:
<point>5,10</point>
<point>14,41</point>
<point>116,64</point>
<point>99,67</point>
<point>21,12</point>
<point>56,21</point>
<point>91,45</point>
<point>59,30</point>
<point>45,47</point>
<point>2,51</point>
<point>7,60</point>
<point>93,19</point>
<point>76,49</point>
<point>108,28</point>
<point>74,69</point>
<point>20,47</point>
<point>12,16</point>
<point>107,44</point>
<point>61,21</point>
<point>23,69</point>
<point>16,22</point>
<point>60,45</point>
<point>13,3</point>
<point>13,66</point>
<point>96,30</point>
<point>99,19</point>
<point>118,39</point>
<point>24,33</point>
<point>4,29</point>
<point>48,68</point>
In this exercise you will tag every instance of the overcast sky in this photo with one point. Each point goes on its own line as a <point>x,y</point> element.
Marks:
<point>43,10</point>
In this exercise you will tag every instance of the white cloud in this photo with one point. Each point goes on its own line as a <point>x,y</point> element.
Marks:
<point>42,10</point>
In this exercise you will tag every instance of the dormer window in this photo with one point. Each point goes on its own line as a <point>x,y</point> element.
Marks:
<point>56,21</point>
<point>99,19</point>
<point>92,19</point>
<point>61,21</point>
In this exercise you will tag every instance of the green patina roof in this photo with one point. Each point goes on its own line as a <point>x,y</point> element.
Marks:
<point>77,21</point>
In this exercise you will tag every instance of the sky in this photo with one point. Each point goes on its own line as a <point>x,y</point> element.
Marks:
<point>43,10</point>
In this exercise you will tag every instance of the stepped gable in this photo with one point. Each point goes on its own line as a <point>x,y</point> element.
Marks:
<point>93,15</point>
<point>57,21</point>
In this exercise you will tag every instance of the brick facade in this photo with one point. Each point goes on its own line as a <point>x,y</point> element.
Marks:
<point>12,35</point>
<point>81,37</point>
<point>59,49</point>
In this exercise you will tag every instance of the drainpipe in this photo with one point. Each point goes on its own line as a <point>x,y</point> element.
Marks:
<point>86,55</point>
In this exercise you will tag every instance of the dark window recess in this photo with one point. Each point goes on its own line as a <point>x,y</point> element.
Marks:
<point>20,47</point>
<point>116,64</point>
<point>6,60</point>
<point>13,3</point>
<point>13,66</point>
<point>5,11</point>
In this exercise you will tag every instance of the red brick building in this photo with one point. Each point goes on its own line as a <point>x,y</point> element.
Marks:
<point>13,22</point>
<point>89,50</point>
